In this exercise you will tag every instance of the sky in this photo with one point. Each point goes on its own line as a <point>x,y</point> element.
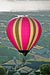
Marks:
<point>24,5</point>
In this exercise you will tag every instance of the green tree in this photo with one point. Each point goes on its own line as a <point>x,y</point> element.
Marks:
<point>2,70</point>
<point>45,69</point>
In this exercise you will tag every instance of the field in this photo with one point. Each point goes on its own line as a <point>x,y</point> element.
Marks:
<point>40,54</point>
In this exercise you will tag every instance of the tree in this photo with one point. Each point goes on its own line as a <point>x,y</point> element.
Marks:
<point>2,70</point>
<point>45,69</point>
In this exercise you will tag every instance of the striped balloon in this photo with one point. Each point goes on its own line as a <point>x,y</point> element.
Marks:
<point>24,33</point>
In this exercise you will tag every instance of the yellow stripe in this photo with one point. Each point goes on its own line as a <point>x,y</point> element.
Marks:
<point>20,36</point>
<point>31,33</point>
<point>14,33</point>
<point>36,34</point>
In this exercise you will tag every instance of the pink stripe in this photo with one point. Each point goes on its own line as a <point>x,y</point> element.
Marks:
<point>39,33</point>
<point>10,32</point>
<point>25,32</point>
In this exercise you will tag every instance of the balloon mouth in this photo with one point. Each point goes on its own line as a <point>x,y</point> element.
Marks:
<point>24,52</point>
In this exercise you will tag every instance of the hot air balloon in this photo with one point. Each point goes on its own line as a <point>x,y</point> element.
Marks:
<point>24,33</point>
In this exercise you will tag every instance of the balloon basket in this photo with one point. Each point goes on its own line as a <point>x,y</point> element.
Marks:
<point>24,59</point>
<point>24,52</point>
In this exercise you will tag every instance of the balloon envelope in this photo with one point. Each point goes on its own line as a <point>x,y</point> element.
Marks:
<point>24,33</point>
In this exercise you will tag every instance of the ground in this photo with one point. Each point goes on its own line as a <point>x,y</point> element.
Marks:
<point>39,55</point>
